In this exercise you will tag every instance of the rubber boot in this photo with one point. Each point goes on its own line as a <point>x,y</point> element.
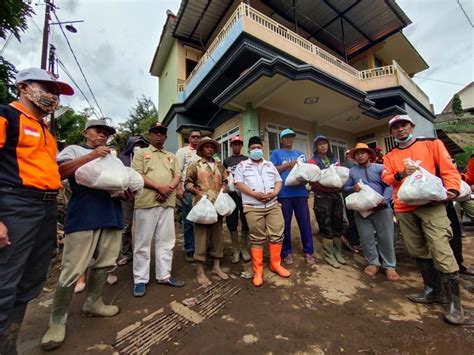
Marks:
<point>337,245</point>
<point>275,260</point>
<point>328,253</point>
<point>9,337</point>
<point>234,237</point>
<point>433,291</point>
<point>244,246</point>
<point>257,264</point>
<point>94,306</point>
<point>454,313</point>
<point>56,333</point>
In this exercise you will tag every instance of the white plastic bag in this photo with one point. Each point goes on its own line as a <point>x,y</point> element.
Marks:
<point>224,204</point>
<point>136,182</point>
<point>465,192</point>
<point>230,182</point>
<point>364,200</point>
<point>107,173</point>
<point>421,187</point>
<point>302,173</point>
<point>203,212</point>
<point>330,178</point>
<point>343,173</point>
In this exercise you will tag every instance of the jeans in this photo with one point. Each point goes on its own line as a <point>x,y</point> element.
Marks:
<point>381,222</point>
<point>300,206</point>
<point>187,205</point>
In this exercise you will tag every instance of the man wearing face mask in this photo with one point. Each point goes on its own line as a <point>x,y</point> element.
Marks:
<point>260,183</point>
<point>426,228</point>
<point>29,184</point>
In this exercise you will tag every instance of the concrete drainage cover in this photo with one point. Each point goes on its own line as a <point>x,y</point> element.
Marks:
<point>164,324</point>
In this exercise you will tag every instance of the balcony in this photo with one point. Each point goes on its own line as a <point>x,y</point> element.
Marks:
<point>248,20</point>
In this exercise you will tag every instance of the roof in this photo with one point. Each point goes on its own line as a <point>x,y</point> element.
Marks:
<point>365,22</point>
<point>449,106</point>
<point>164,46</point>
<point>452,147</point>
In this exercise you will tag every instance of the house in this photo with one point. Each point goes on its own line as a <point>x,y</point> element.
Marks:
<point>338,68</point>
<point>466,94</point>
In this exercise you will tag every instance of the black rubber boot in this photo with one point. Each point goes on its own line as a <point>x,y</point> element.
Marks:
<point>9,338</point>
<point>433,292</point>
<point>454,313</point>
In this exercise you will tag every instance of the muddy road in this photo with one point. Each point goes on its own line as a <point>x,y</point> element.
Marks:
<point>319,310</point>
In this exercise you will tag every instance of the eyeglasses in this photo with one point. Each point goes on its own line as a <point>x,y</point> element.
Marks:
<point>195,137</point>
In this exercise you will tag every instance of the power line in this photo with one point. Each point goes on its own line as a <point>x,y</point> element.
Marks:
<point>440,81</point>
<point>77,62</point>
<point>63,67</point>
<point>6,43</point>
<point>465,14</point>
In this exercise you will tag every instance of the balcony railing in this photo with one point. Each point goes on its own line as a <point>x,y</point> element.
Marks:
<point>391,75</point>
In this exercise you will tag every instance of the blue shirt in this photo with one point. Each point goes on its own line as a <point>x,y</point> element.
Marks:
<point>281,156</point>
<point>370,175</point>
<point>88,209</point>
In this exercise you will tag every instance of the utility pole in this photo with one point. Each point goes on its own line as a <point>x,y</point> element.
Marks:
<point>47,18</point>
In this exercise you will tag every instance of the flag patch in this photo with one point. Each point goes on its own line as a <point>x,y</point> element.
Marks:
<point>30,131</point>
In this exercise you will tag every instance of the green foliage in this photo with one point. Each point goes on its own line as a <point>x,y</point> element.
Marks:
<point>71,126</point>
<point>462,125</point>
<point>8,92</point>
<point>457,105</point>
<point>141,117</point>
<point>462,158</point>
<point>13,19</point>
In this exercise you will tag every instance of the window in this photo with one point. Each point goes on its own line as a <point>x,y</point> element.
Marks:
<point>338,148</point>
<point>190,65</point>
<point>389,143</point>
<point>300,143</point>
<point>224,142</point>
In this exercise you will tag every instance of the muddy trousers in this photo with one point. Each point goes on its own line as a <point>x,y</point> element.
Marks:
<point>266,224</point>
<point>127,248</point>
<point>456,240</point>
<point>232,221</point>
<point>298,205</point>
<point>31,224</point>
<point>328,209</point>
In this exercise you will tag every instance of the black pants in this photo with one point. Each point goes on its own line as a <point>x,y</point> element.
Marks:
<point>328,209</point>
<point>456,240</point>
<point>127,247</point>
<point>31,224</point>
<point>232,221</point>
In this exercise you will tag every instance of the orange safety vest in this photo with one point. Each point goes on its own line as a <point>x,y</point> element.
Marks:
<point>27,150</point>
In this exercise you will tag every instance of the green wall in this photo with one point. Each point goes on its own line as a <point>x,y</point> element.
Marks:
<point>167,87</point>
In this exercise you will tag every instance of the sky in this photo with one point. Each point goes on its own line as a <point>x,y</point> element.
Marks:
<point>117,40</point>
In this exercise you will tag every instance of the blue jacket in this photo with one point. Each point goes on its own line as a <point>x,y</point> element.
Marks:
<point>370,175</point>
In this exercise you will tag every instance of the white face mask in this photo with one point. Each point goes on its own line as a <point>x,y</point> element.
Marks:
<point>136,149</point>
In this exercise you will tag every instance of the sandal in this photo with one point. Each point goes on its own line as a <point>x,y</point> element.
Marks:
<point>173,282</point>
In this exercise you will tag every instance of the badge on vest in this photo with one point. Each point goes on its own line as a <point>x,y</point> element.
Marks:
<point>30,131</point>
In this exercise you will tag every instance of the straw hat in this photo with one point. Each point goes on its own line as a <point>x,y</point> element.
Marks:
<point>205,140</point>
<point>362,146</point>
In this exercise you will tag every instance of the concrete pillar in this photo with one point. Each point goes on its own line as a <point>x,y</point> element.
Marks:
<point>250,124</point>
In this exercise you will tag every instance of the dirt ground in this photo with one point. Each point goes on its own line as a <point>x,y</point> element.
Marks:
<point>319,310</point>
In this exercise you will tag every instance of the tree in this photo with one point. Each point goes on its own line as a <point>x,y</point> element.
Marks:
<point>13,21</point>
<point>71,126</point>
<point>457,105</point>
<point>141,117</point>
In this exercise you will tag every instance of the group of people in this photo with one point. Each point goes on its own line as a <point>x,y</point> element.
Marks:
<point>99,226</point>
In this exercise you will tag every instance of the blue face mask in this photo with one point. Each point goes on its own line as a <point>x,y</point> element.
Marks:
<point>256,154</point>
<point>410,136</point>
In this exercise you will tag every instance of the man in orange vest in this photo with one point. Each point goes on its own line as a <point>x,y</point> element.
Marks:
<point>29,184</point>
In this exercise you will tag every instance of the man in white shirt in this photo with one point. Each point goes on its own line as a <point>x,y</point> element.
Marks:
<point>185,156</point>
<point>260,183</point>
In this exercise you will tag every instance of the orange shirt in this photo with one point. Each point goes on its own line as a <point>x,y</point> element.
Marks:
<point>469,176</point>
<point>433,156</point>
<point>27,150</point>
